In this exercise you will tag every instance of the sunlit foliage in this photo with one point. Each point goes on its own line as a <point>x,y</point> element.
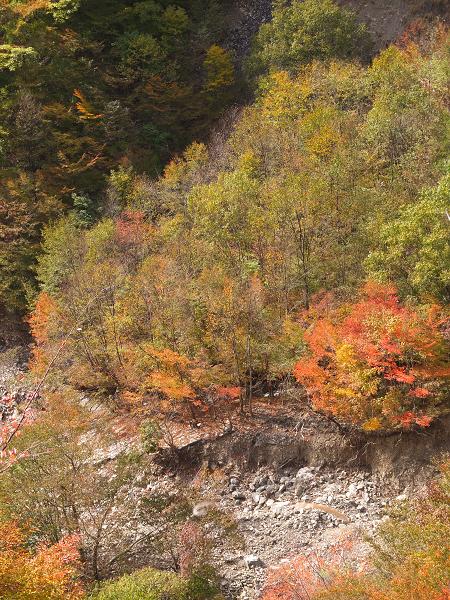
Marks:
<point>198,281</point>
<point>376,361</point>
<point>46,573</point>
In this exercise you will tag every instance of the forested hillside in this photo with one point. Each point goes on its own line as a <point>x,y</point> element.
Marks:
<point>205,279</point>
<point>197,236</point>
<point>87,86</point>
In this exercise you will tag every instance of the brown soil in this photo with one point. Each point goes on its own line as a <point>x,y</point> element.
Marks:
<point>387,19</point>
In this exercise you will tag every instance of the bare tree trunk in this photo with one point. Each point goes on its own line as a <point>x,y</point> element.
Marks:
<point>250,377</point>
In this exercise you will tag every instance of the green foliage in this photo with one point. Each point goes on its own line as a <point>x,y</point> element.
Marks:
<point>84,208</point>
<point>140,56</point>
<point>58,256</point>
<point>196,281</point>
<point>23,210</point>
<point>13,57</point>
<point>88,86</point>
<point>151,435</point>
<point>303,31</point>
<point>150,584</point>
<point>61,10</point>
<point>414,248</point>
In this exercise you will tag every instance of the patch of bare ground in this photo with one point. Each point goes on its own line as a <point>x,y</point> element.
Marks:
<point>388,19</point>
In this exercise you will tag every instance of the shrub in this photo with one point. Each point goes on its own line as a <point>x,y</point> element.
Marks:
<point>151,435</point>
<point>150,584</point>
<point>305,31</point>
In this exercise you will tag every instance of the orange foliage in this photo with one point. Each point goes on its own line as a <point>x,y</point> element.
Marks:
<point>132,228</point>
<point>306,577</point>
<point>377,360</point>
<point>39,326</point>
<point>84,108</point>
<point>25,9</point>
<point>229,393</point>
<point>295,580</point>
<point>38,319</point>
<point>50,572</point>
<point>171,386</point>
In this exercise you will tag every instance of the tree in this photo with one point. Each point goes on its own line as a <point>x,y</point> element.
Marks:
<point>219,71</point>
<point>87,88</point>
<point>377,362</point>
<point>414,249</point>
<point>301,32</point>
<point>39,574</point>
<point>23,209</point>
<point>59,487</point>
<point>195,281</point>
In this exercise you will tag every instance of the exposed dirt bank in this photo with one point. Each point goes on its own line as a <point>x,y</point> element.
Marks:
<point>398,461</point>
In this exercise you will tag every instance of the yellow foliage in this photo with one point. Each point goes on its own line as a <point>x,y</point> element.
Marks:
<point>181,167</point>
<point>345,356</point>
<point>285,99</point>
<point>344,392</point>
<point>320,127</point>
<point>372,424</point>
<point>219,69</point>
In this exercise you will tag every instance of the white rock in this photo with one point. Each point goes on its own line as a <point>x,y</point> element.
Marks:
<point>352,490</point>
<point>279,507</point>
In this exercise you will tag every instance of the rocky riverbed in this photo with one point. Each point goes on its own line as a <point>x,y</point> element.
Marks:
<point>292,487</point>
<point>297,511</point>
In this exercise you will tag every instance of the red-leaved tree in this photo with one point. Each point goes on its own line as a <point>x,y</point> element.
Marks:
<point>377,362</point>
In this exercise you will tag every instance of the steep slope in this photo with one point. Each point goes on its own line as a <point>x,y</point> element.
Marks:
<point>386,19</point>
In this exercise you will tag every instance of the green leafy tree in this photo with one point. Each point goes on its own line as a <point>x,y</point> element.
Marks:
<point>301,32</point>
<point>219,69</point>
<point>84,209</point>
<point>414,248</point>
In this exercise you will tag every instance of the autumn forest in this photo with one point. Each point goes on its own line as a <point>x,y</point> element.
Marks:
<point>195,234</point>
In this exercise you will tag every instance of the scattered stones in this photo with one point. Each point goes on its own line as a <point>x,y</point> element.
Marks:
<point>277,517</point>
<point>239,496</point>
